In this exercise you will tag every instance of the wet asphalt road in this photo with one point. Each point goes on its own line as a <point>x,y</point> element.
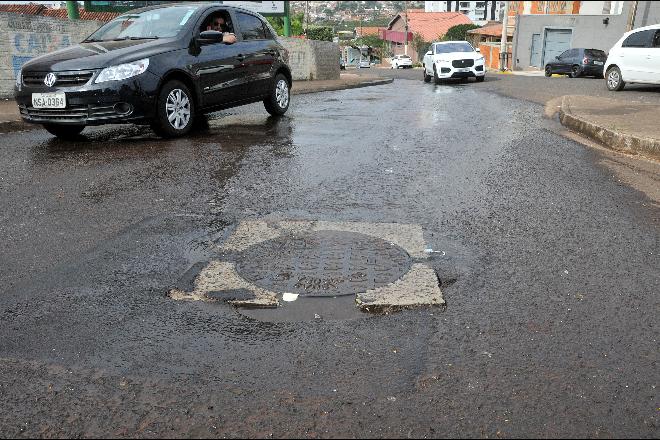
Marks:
<point>550,276</point>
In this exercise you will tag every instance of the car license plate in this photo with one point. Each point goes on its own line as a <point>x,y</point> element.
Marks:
<point>598,63</point>
<point>48,100</point>
<point>462,70</point>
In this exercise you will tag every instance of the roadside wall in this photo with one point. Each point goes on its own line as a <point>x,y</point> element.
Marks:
<point>589,31</point>
<point>491,53</point>
<point>23,37</point>
<point>310,59</point>
<point>648,13</point>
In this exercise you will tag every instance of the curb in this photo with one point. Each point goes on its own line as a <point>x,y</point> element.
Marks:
<point>613,140</point>
<point>378,82</point>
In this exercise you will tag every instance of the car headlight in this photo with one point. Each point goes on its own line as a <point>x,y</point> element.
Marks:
<point>480,59</point>
<point>122,71</point>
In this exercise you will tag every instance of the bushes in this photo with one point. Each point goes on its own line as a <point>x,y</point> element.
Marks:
<point>321,33</point>
<point>459,32</point>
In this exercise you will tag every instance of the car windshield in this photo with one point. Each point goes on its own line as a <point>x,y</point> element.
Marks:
<point>155,23</point>
<point>594,53</point>
<point>453,47</point>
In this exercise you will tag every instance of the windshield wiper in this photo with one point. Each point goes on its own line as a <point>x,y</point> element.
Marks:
<point>134,38</point>
<point>92,40</point>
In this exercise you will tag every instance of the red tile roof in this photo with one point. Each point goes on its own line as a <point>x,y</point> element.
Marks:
<point>84,15</point>
<point>22,9</point>
<point>366,30</point>
<point>494,30</point>
<point>56,13</point>
<point>432,25</point>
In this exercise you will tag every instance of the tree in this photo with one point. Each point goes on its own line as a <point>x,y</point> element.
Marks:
<point>297,21</point>
<point>459,32</point>
<point>419,45</point>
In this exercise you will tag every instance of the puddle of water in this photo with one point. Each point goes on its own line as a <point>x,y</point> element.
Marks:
<point>340,308</point>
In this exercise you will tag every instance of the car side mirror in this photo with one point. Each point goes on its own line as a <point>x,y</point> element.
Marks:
<point>557,57</point>
<point>210,37</point>
<point>429,53</point>
<point>478,50</point>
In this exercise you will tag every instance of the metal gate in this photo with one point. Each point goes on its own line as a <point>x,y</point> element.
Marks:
<point>535,56</point>
<point>556,42</point>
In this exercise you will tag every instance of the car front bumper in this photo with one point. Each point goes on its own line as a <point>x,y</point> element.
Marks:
<point>446,71</point>
<point>112,102</point>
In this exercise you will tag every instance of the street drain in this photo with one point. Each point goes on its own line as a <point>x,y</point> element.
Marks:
<point>323,263</point>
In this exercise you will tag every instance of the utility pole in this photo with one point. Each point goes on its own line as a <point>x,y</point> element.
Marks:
<point>72,10</point>
<point>405,46</point>
<point>287,19</point>
<point>505,37</point>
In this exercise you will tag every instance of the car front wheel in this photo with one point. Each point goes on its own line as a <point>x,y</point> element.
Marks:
<point>548,71</point>
<point>66,132</point>
<point>427,77</point>
<point>614,80</point>
<point>435,76</point>
<point>277,102</point>
<point>175,111</point>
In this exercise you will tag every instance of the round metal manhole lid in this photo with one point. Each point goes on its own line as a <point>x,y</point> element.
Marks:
<point>324,263</point>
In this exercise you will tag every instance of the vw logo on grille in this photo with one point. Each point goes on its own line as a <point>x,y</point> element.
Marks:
<point>50,79</point>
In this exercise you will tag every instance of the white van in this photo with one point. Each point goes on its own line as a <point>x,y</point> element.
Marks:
<point>635,58</point>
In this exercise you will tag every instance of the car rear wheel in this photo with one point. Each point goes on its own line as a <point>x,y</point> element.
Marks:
<point>575,72</point>
<point>427,77</point>
<point>614,80</point>
<point>66,132</point>
<point>277,102</point>
<point>175,110</point>
<point>548,71</point>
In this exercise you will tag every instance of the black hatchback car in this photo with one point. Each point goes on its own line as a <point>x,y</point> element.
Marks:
<point>160,65</point>
<point>578,62</point>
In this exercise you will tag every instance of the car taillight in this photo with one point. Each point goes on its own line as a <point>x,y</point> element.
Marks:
<point>585,60</point>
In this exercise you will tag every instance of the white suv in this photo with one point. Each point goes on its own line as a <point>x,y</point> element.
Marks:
<point>402,61</point>
<point>453,59</point>
<point>635,58</point>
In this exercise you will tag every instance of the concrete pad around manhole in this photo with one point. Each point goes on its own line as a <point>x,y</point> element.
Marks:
<point>221,276</point>
<point>381,267</point>
<point>418,287</point>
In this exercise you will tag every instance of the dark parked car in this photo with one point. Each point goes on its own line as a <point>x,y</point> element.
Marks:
<point>578,62</point>
<point>160,65</point>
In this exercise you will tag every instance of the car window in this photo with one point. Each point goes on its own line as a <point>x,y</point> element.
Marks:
<point>155,23</point>
<point>594,53</point>
<point>656,39</point>
<point>453,47</point>
<point>639,39</point>
<point>217,21</point>
<point>251,27</point>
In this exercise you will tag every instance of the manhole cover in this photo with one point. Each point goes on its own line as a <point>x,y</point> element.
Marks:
<point>324,263</point>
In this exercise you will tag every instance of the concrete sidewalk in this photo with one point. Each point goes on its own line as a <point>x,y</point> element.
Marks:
<point>630,127</point>
<point>10,119</point>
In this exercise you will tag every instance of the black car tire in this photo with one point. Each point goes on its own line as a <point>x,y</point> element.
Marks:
<point>576,72</point>
<point>174,101</point>
<point>614,80</point>
<point>277,102</point>
<point>548,71</point>
<point>427,77</point>
<point>481,78</point>
<point>66,132</point>
<point>436,80</point>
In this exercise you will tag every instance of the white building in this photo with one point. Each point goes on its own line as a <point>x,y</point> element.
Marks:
<point>474,10</point>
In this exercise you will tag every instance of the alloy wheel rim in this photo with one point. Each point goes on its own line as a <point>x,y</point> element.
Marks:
<point>282,93</point>
<point>177,108</point>
<point>613,79</point>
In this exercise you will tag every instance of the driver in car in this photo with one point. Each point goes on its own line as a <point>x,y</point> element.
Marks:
<point>218,24</point>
